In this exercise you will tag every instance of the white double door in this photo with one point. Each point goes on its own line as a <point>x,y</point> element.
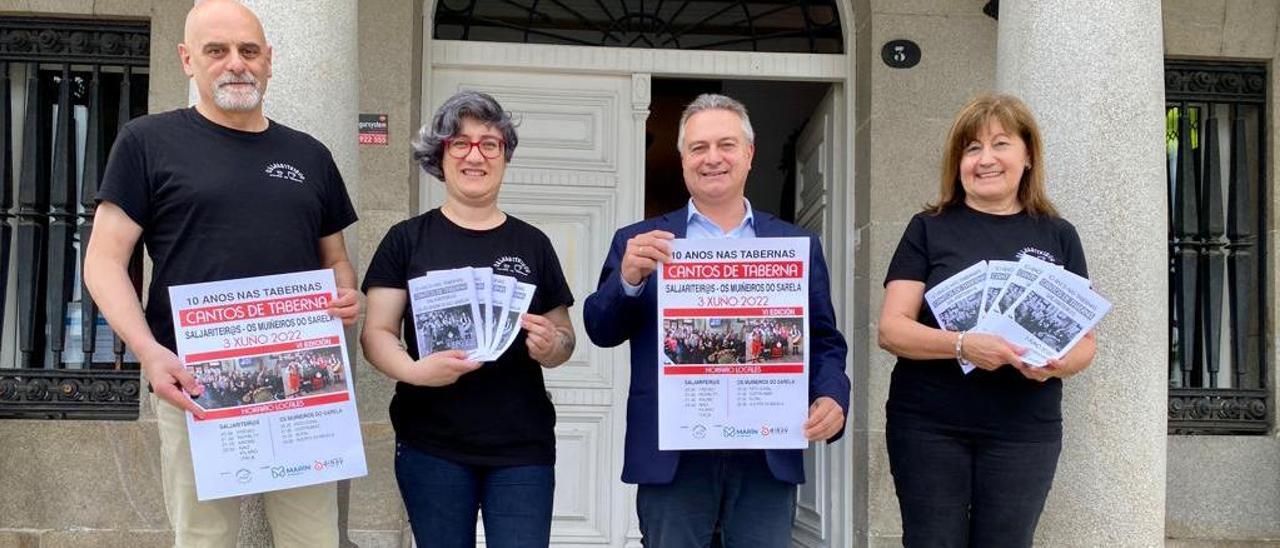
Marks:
<point>578,175</point>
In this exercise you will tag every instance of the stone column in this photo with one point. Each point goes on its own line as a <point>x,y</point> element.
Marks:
<point>314,88</point>
<point>315,75</point>
<point>1092,72</point>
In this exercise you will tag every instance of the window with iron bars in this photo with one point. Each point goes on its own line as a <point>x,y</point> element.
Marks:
<point>1216,141</point>
<point>66,87</point>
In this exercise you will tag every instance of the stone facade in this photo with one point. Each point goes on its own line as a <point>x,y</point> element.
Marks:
<point>74,483</point>
<point>903,118</point>
<point>1227,487</point>
<point>80,483</point>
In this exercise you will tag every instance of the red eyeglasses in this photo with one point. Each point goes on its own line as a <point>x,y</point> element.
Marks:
<point>460,147</point>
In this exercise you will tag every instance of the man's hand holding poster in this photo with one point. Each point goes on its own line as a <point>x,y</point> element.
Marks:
<point>733,326</point>
<point>280,408</point>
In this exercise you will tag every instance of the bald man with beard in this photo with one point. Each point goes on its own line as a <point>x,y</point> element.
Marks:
<point>217,191</point>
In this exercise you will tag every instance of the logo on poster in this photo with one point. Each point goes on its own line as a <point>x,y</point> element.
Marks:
<point>731,432</point>
<point>699,431</point>
<point>278,472</point>
<point>320,465</point>
<point>243,475</point>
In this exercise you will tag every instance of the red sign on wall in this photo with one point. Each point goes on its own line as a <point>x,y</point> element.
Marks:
<point>373,129</point>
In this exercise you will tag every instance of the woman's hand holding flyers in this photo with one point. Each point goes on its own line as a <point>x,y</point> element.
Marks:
<point>990,352</point>
<point>440,369</point>
<point>540,337</point>
<point>549,336</point>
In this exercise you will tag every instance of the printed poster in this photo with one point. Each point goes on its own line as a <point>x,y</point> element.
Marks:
<point>280,406</point>
<point>470,309</point>
<point>733,329</point>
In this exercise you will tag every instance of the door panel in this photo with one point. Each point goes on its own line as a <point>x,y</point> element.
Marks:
<point>816,169</point>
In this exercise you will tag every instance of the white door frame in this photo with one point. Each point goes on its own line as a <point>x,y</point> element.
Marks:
<point>642,65</point>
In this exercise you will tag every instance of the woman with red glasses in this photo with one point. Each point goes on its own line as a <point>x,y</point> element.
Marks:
<point>470,436</point>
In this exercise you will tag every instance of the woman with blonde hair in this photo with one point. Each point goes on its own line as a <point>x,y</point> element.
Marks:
<point>973,455</point>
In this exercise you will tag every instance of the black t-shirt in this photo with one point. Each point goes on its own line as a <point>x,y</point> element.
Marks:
<point>216,203</point>
<point>934,394</point>
<point>500,414</point>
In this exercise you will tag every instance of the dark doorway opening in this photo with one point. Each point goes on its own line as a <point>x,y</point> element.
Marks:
<point>778,112</point>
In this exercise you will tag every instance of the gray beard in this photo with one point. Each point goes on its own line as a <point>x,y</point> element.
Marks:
<point>235,102</point>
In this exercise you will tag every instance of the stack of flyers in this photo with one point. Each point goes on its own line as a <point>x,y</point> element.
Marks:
<point>469,309</point>
<point>1030,303</point>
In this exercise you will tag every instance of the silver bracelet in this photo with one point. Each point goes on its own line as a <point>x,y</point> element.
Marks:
<point>960,347</point>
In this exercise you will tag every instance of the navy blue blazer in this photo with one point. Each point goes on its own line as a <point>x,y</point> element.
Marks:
<point>612,318</point>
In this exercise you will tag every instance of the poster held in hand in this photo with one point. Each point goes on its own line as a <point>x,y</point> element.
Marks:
<point>483,278</point>
<point>503,287</point>
<point>733,326</point>
<point>1050,317</point>
<point>1031,303</point>
<point>957,301</point>
<point>998,273</point>
<point>279,407</point>
<point>446,312</point>
<point>521,298</point>
<point>469,309</point>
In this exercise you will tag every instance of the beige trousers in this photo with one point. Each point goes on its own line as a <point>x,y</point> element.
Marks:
<point>304,517</point>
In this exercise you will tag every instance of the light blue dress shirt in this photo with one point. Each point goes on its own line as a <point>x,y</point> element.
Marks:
<point>701,227</point>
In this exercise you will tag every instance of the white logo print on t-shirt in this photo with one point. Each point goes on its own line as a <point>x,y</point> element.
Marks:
<point>511,265</point>
<point>286,172</point>
<point>1039,254</point>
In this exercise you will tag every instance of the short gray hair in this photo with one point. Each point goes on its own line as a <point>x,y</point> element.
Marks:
<point>428,146</point>
<point>715,101</point>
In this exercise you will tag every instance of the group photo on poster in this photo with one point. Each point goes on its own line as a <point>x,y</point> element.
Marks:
<point>261,379</point>
<point>449,328</point>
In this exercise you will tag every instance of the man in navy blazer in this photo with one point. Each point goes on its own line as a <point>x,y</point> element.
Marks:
<point>683,496</point>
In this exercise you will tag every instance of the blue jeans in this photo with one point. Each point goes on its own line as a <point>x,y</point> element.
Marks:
<point>732,490</point>
<point>958,491</point>
<point>442,498</point>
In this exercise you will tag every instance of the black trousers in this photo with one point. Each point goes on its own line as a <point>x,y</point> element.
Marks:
<point>958,491</point>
